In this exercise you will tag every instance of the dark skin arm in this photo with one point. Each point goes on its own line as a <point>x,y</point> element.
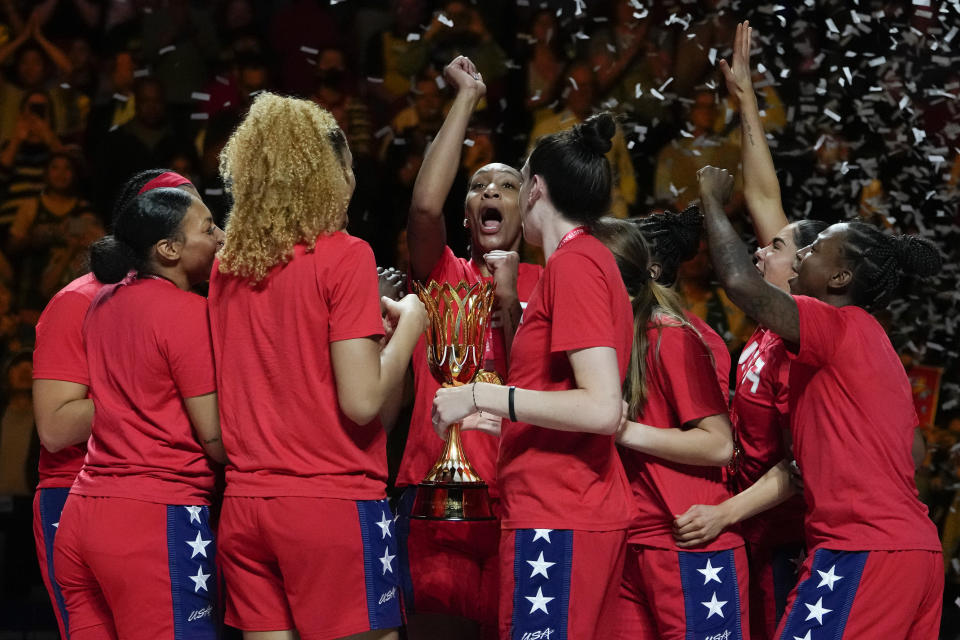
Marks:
<point>765,303</point>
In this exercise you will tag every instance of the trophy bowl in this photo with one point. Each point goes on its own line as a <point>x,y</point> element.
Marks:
<point>456,338</point>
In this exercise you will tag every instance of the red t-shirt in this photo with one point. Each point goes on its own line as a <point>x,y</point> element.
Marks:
<point>423,446</point>
<point>681,387</point>
<point>760,416</point>
<point>559,479</point>
<point>148,348</point>
<point>59,355</point>
<point>852,420</point>
<point>717,346</point>
<point>281,420</point>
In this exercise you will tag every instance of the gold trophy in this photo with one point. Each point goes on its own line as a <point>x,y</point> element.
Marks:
<point>456,338</point>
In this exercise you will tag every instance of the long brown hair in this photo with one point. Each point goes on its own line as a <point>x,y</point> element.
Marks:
<point>653,304</point>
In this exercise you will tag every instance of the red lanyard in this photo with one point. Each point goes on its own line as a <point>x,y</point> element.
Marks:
<point>570,235</point>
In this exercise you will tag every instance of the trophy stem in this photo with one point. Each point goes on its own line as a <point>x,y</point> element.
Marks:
<point>452,466</point>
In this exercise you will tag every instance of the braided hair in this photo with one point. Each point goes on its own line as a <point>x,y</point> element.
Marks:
<point>880,262</point>
<point>673,239</point>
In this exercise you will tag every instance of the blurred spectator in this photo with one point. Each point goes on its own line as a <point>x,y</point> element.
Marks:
<point>545,64</point>
<point>578,105</point>
<point>24,156</point>
<point>16,426</point>
<point>298,32</point>
<point>399,54</point>
<point>115,102</point>
<point>180,43</point>
<point>32,52</point>
<point>417,124</point>
<point>149,140</point>
<point>675,182</point>
<point>459,29</point>
<point>69,260</point>
<point>46,222</point>
<point>334,91</point>
<point>248,76</point>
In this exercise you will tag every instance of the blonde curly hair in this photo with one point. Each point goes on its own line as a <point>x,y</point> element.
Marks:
<point>284,166</point>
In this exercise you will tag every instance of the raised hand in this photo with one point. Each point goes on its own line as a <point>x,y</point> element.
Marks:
<point>716,185</point>
<point>461,74</point>
<point>737,72</point>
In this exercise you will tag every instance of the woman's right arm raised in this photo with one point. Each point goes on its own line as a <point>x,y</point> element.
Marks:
<point>426,233</point>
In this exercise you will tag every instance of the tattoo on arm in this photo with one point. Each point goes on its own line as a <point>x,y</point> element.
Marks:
<point>765,303</point>
<point>749,132</point>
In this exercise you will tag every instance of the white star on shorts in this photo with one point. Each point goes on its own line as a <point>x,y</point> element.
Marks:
<point>199,580</point>
<point>539,601</point>
<point>387,561</point>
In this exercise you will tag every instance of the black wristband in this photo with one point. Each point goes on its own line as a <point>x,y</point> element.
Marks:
<point>513,413</point>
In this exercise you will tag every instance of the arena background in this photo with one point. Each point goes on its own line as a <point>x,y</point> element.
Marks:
<point>859,100</point>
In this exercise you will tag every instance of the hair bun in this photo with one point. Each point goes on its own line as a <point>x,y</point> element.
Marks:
<point>111,259</point>
<point>597,132</point>
<point>916,256</point>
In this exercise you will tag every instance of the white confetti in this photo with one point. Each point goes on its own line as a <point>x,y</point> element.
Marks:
<point>199,95</point>
<point>413,37</point>
<point>904,101</point>
<point>382,132</point>
<point>199,116</point>
<point>831,115</point>
<point>951,34</point>
<point>141,73</point>
<point>666,84</point>
<point>656,94</point>
<point>441,83</point>
<point>444,20</point>
<point>167,49</point>
<point>375,80</point>
<point>918,135</point>
<point>310,51</point>
<point>712,56</point>
<point>573,82</point>
<point>213,192</point>
<point>832,26</point>
<point>468,142</point>
<point>876,62</point>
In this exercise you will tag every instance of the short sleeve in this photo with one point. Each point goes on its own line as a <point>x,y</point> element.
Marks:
<point>448,268</point>
<point>689,379</point>
<point>581,308</point>
<point>821,330</point>
<point>189,350</point>
<point>354,295</point>
<point>59,353</point>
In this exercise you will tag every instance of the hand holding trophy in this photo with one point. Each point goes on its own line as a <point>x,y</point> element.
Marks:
<point>456,337</point>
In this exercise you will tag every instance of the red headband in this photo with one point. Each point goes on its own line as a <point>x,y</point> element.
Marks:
<point>165,179</point>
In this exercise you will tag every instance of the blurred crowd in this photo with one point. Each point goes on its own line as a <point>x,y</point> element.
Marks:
<point>859,101</point>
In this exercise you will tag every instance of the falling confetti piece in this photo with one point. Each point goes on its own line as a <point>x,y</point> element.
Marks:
<point>830,114</point>
<point>199,116</point>
<point>444,20</point>
<point>167,49</point>
<point>199,95</point>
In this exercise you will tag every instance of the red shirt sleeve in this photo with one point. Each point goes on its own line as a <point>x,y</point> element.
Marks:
<point>354,295</point>
<point>188,349</point>
<point>580,304</point>
<point>688,374</point>
<point>447,268</point>
<point>821,331</point>
<point>60,354</point>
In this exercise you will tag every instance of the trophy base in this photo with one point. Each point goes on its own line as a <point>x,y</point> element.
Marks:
<point>452,501</point>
